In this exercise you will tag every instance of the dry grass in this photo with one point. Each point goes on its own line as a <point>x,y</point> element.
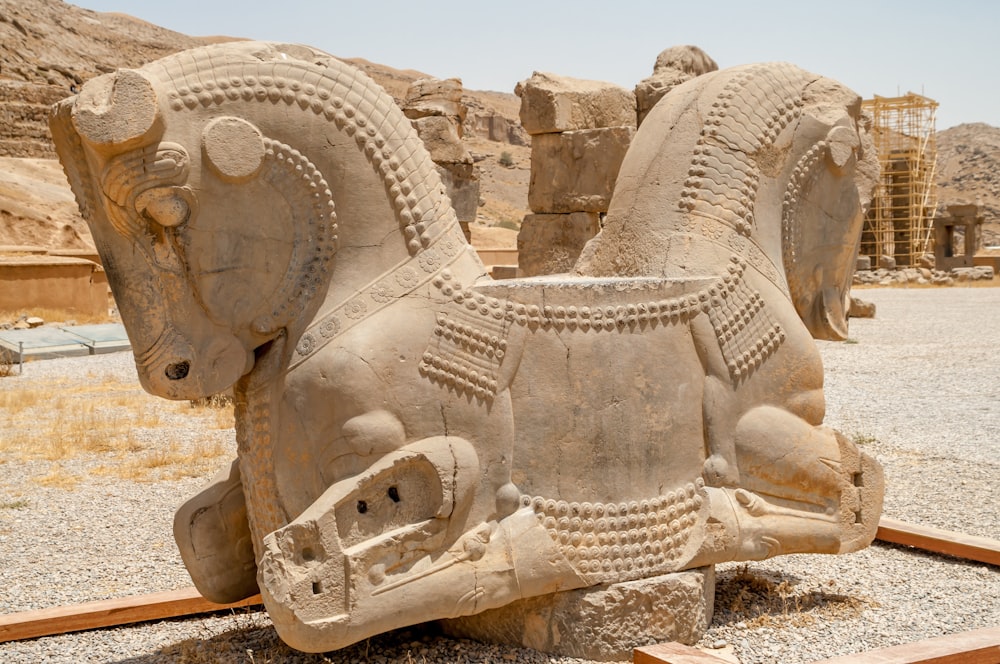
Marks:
<point>761,599</point>
<point>6,365</point>
<point>114,422</point>
<point>251,639</point>
<point>58,478</point>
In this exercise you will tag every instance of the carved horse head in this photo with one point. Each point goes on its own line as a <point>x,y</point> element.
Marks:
<point>768,163</point>
<point>209,178</point>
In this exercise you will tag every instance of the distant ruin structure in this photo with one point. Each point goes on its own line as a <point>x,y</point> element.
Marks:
<point>674,66</point>
<point>580,131</point>
<point>899,224</point>
<point>435,108</point>
<point>960,223</point>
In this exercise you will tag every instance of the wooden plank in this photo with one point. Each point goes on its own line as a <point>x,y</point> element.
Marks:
<point>981,646</point>
<point>673,653</point>
<point>110,612</point>
<point>960,545</point>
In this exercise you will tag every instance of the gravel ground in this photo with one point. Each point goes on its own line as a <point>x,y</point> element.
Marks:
<point>919,387</point>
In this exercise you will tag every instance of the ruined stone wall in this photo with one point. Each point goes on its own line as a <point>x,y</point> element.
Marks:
<point>580,131</point>
<point>436,110</point>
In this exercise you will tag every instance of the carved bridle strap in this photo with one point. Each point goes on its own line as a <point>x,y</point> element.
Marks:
<point>396,283</point>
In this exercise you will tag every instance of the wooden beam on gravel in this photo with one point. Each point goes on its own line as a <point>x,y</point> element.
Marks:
<point>960,545</point>
<point>110,612</point>
<point>981,646</point>
<point>674,653</point>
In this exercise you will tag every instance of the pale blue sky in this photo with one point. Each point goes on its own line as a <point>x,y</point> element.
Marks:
<point>948,50</point>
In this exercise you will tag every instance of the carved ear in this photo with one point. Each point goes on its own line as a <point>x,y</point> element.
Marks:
<point>842,142</point>
<point>233,148</point>
<point>117,111</point>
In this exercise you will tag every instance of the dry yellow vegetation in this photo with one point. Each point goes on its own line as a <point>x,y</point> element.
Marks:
<point>114,423</point>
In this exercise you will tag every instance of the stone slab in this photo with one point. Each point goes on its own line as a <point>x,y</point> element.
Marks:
<point>551,243</point>
<point>575,171</point>
<point>551,103</point>
<point>603,623</point>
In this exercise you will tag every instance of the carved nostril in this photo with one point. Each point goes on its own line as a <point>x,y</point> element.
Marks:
<point>178,370</point>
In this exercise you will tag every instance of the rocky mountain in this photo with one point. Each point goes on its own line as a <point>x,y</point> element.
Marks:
<point>48,48</point>
<point>968,171</point>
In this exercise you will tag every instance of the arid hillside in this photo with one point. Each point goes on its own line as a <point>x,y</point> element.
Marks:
<point>968,171</point>
<point>48,48</point>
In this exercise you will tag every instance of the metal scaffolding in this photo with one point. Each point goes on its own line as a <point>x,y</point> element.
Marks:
<point>900,221</point>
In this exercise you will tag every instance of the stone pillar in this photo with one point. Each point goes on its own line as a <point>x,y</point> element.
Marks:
<point>580,131</point>
<point>435,108</point>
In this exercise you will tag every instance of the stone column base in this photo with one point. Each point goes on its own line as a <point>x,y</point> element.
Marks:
<point>601,622</point>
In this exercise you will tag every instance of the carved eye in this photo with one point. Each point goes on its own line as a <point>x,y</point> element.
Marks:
<point>167,206</point>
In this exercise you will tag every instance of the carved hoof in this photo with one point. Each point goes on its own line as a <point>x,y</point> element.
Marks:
<point>213,536</point>
<point>861,497</point>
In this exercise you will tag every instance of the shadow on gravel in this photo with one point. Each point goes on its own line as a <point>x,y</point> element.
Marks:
<point>764,598</point>
<point>252,640</point>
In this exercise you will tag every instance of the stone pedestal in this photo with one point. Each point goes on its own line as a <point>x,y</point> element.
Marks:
<point>604,622</point>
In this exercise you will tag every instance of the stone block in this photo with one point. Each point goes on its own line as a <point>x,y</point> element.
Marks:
<point>650,90</point>
<point>462,185</point>
<point>863,264</point>
<point>603,623</point>
<point>440,137</point>
<point>887,262</point>
<point>861,308</point>
<point>435,97</point>
<point>575,171</point>
<point>551,103</point>
<point>551,243</point>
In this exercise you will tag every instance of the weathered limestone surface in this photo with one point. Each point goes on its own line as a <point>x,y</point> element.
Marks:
<point>575,171</point>
<point>673,66</point>
<point>551,243</point>
<point>551,104</point>
<point>270,221</point>
<point>462,183</point>
<point>435,97</point>
<point>604,623</point>
<point>440,137</point>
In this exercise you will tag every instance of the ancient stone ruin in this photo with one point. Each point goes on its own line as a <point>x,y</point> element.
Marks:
<point>580,131</point>
<point>436,109</point>
<point>527,459</point>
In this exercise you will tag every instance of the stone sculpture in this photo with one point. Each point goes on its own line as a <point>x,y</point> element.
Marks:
<point>673,66</point>
<point>417,441</point>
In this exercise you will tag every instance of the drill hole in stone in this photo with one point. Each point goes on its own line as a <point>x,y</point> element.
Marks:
<point>178,370</point>
<point>362,507</point>
<point>308,554</point>
<point>393,494</point>
<point>317,587</point>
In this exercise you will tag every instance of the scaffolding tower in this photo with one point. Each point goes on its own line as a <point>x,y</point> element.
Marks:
<point>900,220</point>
